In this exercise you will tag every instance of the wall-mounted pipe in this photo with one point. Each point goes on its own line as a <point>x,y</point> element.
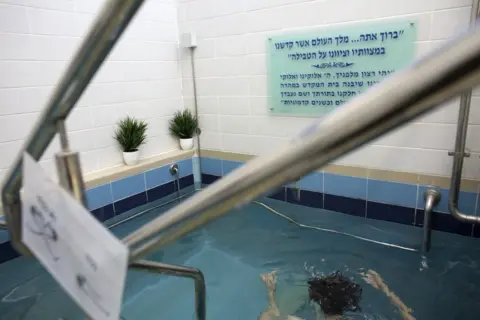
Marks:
<point>195,106</point>
<point>460,141</point>
<point>432,198</point>
<point>68,167</point>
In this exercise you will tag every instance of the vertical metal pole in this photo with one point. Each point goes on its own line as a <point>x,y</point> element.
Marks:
<point>195,104</point>
<point>460,141</point>
<point>68,166</point>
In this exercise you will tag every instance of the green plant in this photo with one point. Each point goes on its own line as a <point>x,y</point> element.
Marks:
<point>131,134</point>
<point>183,125</point>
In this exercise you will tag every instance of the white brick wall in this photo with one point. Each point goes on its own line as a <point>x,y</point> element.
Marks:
<point>232,87</point>
<point>142,77</point>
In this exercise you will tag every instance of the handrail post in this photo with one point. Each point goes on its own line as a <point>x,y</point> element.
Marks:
<point>68,166</point>
<point>179,271</point>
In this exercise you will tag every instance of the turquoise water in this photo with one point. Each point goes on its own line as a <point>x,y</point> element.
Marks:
<point>233,251</point>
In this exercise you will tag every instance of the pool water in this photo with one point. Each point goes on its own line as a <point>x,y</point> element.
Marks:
<point>233,251</point>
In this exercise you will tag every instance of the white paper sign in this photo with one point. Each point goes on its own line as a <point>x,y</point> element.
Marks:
<point>77,250</point>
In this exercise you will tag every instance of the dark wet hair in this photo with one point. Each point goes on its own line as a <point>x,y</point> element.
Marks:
<point>335,293</point>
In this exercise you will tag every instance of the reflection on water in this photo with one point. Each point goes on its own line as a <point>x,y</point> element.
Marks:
<point>233,251</point>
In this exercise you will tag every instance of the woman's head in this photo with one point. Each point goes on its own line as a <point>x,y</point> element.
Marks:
<point>335,293</point>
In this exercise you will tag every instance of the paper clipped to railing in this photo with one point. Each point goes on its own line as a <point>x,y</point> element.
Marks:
<point>77,250</point>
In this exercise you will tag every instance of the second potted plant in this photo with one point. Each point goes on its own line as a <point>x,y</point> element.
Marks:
<point>130,135</point>
<point>184,125</point>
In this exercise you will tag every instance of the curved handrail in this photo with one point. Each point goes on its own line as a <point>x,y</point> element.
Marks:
<point>180,271</point>
<point>460,141</point>
<point>457,166</point>
<point>431,197</point>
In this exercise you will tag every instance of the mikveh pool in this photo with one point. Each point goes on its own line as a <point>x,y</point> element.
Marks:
<point>233,251</point>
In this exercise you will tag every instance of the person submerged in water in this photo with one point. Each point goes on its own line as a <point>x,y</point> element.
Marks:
<point>333,295</point>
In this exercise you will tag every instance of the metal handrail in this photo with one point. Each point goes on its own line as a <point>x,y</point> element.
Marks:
<point>398,99</point>
<point>460,141</point>
<point>180,271</point>
<point>103,34</point>
<point>431,197</point>
<point>402,97</point>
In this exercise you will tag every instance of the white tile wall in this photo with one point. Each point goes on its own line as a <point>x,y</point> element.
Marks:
<point>141,77</point>
<point>232,81</point>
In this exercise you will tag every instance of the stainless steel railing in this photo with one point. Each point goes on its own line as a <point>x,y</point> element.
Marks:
<point>431,197</point>
<point>180,271</point>
<point>460,141</point>
<point>394,102</point>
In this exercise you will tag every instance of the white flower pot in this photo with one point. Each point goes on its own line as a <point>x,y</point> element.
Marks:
<point>186,144</point>
<point>131,158</point>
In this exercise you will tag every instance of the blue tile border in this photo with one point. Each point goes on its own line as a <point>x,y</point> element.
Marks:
<point>211,166</point>
<point>307,198</point>
<point>466,201</point>
<point>392,213</point>
<point>373,199</point>
<point>447,223</point>
<point>228,166</point>
<point>209,178</point>
<point>278,194</point>
<point>311,182</point>
<point>131,202</point>
<point>160,191</point>
<point>99,196</point>
<point>186,181</point>
<point>351,206</point>
<point>128,186</point>
<point>7,252</point>
<point>185,168</point>
<point>395,193</point>
<point>369,209</point>
<point>158,176</point>
<point>110,210</point>
<point>345,186</point>
<point>387,200</point>
<point>104,213</point>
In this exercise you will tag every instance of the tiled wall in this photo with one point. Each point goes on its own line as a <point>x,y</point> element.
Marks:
<point>232,77</point>
<point>364,195</point>
<point>141,77</point>
<point>118,196</point>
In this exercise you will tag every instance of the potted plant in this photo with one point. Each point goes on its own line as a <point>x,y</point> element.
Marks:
<point>184,125</point>
<point>130,135</point>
